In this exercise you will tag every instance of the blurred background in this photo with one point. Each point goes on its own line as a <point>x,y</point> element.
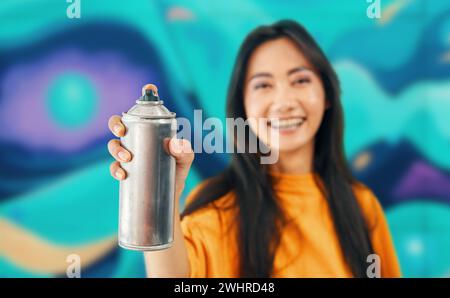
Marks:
<point>62,78</point>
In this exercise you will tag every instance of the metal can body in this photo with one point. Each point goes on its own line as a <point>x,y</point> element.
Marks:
<point>146,208</point>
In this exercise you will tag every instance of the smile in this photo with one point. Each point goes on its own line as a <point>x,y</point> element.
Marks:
<point>287,124</point>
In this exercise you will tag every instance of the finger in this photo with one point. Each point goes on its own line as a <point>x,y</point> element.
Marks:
<point>118,152</point>
<point>181,150</point>
<point>116,126</point>
<point>116,171</point>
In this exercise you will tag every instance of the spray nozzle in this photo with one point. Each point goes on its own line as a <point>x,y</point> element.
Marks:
<point>149,93</point>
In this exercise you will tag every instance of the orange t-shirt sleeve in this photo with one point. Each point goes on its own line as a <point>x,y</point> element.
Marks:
<point>382,240</point>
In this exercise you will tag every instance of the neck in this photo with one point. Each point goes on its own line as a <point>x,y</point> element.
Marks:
<point>299,161</point>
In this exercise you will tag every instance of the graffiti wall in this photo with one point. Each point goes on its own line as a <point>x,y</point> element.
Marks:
<point>61,78</point>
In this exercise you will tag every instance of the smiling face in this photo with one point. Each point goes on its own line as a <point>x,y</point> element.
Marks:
<point>282,87</point>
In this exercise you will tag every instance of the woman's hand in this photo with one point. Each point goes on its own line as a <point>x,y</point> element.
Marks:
<point>115,148</point>
<point>180,149</point>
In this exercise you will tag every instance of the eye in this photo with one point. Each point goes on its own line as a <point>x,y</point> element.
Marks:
<point>302,81</point>
<point>261,86</point>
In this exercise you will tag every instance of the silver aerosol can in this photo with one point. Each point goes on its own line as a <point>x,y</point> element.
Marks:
<point>146,208</point>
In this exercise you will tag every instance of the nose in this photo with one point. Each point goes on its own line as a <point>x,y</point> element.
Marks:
<point>285,99</point>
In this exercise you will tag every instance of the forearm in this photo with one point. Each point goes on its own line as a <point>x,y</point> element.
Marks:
<point>171,262</point>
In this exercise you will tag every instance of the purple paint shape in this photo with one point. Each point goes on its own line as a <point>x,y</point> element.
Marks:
<point>23,108</point>
<point>422,180</point>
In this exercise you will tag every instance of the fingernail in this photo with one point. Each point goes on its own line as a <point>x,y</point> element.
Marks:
<point>123,155</point>
<point>117,128</point>
<point>119,174</point>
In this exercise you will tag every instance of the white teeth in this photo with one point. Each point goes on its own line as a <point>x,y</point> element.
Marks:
<point>287,123</point>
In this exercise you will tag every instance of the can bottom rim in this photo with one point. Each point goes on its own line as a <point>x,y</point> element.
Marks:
<point>145,248</point>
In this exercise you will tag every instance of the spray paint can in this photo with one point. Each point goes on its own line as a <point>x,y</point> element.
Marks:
<point>146,207</point>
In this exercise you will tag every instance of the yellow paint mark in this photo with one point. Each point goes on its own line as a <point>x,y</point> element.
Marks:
<point>362,161</point>
<point>388,14</point>
<point>445,58</point>
<point>33,253</point>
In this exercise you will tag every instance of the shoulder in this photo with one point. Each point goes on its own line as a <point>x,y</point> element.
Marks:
<point>224,201</point>
<point>213,214</point>
<point>368,202</point>
<point>363,193</point>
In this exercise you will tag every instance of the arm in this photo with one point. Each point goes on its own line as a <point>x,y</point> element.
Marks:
<point>171,262</point>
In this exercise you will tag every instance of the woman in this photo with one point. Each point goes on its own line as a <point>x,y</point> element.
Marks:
<point>303,216</point>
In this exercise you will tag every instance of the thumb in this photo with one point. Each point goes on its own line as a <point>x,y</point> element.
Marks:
<point>181,150</point>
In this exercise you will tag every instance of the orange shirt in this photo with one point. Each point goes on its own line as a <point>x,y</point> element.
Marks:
<point>314,252</point>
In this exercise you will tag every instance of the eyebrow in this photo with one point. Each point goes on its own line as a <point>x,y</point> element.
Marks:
<point>289,72</point>
<point>297,69</point>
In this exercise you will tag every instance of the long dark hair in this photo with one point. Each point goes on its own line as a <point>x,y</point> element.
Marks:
<point>259,217</point>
